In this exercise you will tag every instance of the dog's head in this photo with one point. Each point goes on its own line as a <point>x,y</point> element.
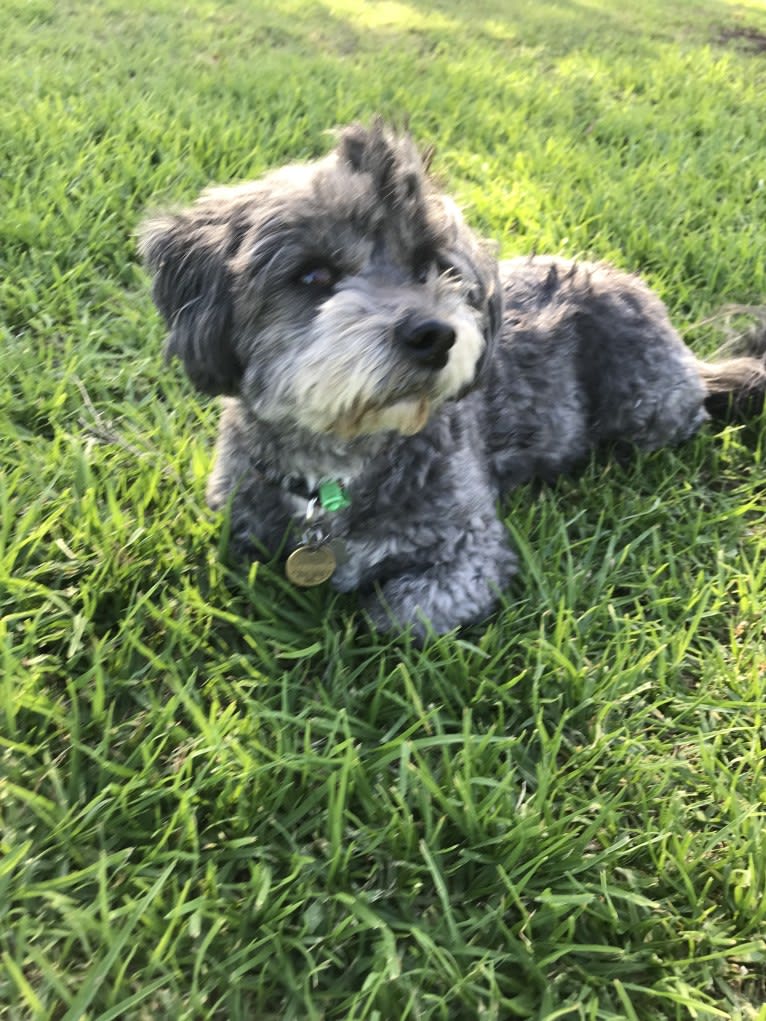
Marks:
<point>347,295</point>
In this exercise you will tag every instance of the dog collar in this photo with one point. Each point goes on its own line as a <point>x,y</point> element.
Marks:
<point>315,560</point>
<point>332,496</point>
<point>329,494</point>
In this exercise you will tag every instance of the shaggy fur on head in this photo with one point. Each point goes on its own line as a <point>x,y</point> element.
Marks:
<point>354,325</point>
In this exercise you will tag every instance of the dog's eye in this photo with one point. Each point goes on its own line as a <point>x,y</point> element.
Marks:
<point>446,269</point>
<point>475,296</point>
<point>423,263</point>
<point>318,277</point>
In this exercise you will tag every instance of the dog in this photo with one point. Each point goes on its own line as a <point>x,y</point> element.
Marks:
<point>385,380</point>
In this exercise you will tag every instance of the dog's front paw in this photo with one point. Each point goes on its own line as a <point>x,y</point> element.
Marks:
<point>404,616</point>
<point>442,597</point>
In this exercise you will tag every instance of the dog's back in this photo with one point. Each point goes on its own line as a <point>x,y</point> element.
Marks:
<point>588,357</point>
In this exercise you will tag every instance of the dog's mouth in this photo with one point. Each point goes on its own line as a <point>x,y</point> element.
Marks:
<point>407,407</point>
<point>406,416</point>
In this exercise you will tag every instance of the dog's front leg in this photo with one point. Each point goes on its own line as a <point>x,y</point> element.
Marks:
<point>258,510</point>
<point>460,585</point>
<point>258,523</point>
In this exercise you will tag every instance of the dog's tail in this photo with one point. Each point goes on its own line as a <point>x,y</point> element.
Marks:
<point>736,385</point>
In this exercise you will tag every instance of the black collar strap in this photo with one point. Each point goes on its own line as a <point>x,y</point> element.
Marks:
<point>330,493</point>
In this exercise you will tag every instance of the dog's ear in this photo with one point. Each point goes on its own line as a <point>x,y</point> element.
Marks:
<point>492,292</point>
<point>186,256</point>
<point>494,307</point>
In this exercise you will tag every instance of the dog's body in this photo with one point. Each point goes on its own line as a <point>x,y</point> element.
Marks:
<point>355,324</point>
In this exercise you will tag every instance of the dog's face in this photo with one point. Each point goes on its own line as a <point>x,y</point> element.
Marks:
<point>346,296</point>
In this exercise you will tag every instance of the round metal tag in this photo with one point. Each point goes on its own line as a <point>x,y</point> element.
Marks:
<point>310,565</point>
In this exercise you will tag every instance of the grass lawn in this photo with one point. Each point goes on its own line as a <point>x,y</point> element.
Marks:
<point>218,798</point>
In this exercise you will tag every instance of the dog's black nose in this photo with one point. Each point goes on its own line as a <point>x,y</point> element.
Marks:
<point>427,341</point>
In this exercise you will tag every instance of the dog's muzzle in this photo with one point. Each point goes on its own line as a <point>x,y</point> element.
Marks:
<point>426,341</point>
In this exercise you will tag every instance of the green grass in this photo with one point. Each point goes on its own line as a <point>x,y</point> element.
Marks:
<point>218,798</point>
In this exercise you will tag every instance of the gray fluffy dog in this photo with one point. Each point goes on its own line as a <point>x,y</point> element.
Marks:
<point>386,381</point>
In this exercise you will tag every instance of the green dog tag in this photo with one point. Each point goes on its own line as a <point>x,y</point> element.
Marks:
<point>332,496</point>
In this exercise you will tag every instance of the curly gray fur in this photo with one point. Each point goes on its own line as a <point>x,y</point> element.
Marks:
<point>355,326</point>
